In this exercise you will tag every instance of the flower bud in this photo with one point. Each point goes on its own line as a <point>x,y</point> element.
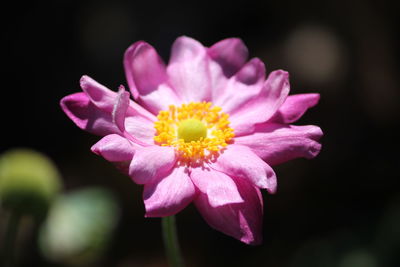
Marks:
<point>28,181</point>
<point>78,227</point>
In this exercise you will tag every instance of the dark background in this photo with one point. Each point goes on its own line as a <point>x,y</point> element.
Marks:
<point>340,209</point>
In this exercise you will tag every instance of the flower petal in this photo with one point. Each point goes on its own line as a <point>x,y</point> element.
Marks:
<point>105,99</point>
<point>294,107</point>
<point>219,187</point>
<point>151,162</point>
<point>242,221</point>
<point>240,162</point>
<point>120,108</point>
<point>188,70</point>
<point>263,107</point>
<point>168,195</point>
<point>119,117</point>
<point>99,95</point>
<point>231,54</point>
<point>278,143</point>
<point>244,86</point>
<point>87,116</point>
<point>101,111</point>
<point>115,148</point>
<point>147,78</point>
<point>140,128</point>
<point>144,69</point>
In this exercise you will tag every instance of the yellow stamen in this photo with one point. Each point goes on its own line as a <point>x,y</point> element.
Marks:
<point>197,130</point>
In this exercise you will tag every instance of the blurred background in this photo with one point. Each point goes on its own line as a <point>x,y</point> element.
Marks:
<point>340,209</point>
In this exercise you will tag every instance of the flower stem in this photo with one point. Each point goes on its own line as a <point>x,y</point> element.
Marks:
<point>171,242</point>
<point>9,239</point>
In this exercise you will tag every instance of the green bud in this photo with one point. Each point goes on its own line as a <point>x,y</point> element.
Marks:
<point>28,181</point>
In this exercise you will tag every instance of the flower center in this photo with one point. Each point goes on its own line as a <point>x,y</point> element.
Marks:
<point>197,130</point>
<point>192,130</point>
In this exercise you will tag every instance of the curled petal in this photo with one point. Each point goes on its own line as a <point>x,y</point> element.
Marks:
<point>219,188</point>
<point>101,111</point>
<point>230,54</point>
<point>188,70</point>
<point>99,95</point>
<point>120,108</point>
<point>151,162</point>
<point>294,107</point>
<point>240,162</point>
<point>242,221</point>
<point>147,78</point>
<point>87,116</point>
<point>115,148</point>
<point>105,99</point>
<point>278,143</point>
<point>262,108</point>
<point>119,117</point>
<point>168,195</point>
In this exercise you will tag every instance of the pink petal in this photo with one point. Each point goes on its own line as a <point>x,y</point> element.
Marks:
<point>219,188</point>
<point>151,162</point>
<point>231,54</point>
<point>147,78</point>
<point>263,107</point>
<point>105,99</point>
<point>244,86</point>
<point>294,107</point>
<point>188,70</point>
<point>240,162</point>
<point>144,69</point>
<point>100,96</point>
<point>120,108</point>
<point>119,117</point>
<point>87,116</point>
<point>276,89</point>
<point>278,143</point>
<point>159,99</point>
<point>168,195</point>
<point>242,221</point>
<point>115,148</point>
<point>140,128</point>
<point>226,58</point>
<point>135,109</point>
<point>103,112</point>
<point>139,123</point>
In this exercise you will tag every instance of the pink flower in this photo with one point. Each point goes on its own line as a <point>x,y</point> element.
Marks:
<point>205,129</point>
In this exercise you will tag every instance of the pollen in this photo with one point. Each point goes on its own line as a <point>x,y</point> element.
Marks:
<point>197,130</point>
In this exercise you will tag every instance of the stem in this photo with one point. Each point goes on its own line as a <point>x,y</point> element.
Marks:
<point>171,242</point>
<point>9,239</point>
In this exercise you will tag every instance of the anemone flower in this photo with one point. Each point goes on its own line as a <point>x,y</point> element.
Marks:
<point>206,128</point>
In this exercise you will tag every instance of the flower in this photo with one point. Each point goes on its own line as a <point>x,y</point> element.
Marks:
<point>205,129</point>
